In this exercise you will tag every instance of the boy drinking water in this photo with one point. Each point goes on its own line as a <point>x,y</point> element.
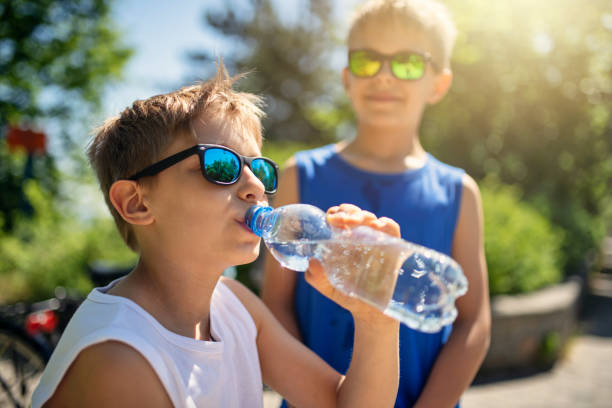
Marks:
<point>398,64</point>
<point>178,172</point>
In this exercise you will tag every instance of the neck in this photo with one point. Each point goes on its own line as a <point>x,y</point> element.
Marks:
<point>177,295</point>
<point>384,149</point>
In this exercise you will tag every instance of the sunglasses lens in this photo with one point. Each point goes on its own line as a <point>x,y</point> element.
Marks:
<point>408,66</point>
<point>265,171</point>
<point>364,64</point>
<point>221,165</point>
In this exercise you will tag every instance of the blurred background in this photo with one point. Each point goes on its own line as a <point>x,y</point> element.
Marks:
<point>528,116</point>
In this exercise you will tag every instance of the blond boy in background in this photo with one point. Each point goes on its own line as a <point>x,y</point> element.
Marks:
<point>398,64</point>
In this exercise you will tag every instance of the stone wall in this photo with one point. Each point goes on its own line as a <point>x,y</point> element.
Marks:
<point>529,331</point>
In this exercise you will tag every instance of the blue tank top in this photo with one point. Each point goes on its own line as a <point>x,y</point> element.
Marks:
<point>425,202</point>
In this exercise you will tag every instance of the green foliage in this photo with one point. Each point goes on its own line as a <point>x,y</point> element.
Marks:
<point>523,249</point>
<point>531,102</point>
<point>12,165</point>
<point>290,64</point>
<point>280,152</point>
<point>68,45</point>
<point>52,249</point>
<point>55,58</point>
<point>551,346</point>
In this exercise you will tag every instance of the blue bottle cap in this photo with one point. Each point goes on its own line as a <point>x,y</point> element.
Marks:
<point>253,220</point>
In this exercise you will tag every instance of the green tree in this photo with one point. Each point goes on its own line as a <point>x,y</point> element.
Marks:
<point>523,248</point>
<point>531,103</point>
<point>55,58</point>
<point>70,46</point>
<point>292,65</point>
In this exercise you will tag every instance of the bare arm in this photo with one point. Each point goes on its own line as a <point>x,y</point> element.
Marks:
<point>301,376</point>
<point>110,374</point>
<point>468,343</point>
<point>278,288</point>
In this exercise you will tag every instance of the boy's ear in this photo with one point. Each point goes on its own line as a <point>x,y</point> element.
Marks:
<point>128,200</point>
<point>442,84</point>
<point>345,79</point>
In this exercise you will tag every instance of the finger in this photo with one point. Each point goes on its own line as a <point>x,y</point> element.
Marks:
<point>316,277</point>
<point>386,225</point>
<point>368,216</point>
<point>343,219</point>
<point>343,208</point>
<point>349,208</point>
<point>348,216</point>
<point>333,210</point>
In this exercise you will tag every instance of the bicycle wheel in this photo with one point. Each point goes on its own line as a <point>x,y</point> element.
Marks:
<point>22,361</point>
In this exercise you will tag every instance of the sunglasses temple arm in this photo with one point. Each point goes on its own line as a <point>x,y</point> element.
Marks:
<point>165,163</point>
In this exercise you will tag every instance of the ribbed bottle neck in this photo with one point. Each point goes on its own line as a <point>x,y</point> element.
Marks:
<point>255,218</point>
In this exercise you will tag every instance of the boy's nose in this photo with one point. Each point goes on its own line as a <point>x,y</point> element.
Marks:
<point>385,71</point>
<point>250,187</point>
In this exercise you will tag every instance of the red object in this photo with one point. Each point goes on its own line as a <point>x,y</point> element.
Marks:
<point>33,142</point>
<point>44,321</point>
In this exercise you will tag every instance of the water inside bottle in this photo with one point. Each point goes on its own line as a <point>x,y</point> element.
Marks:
<point>425,292</point>
<point>365,270</point>
<point>293,255</point>
<point>412,284</point>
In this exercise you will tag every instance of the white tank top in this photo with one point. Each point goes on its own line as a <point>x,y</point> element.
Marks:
<point>195,373</point>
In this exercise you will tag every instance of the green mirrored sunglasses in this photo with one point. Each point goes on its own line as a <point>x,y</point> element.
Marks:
<point>405,65</point>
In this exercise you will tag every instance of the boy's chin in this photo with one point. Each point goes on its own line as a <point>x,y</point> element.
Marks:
<point>247,255</point>
<point>390,119</point>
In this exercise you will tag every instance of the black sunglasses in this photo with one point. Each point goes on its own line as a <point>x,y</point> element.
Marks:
<point>220,165</point>
<point>406,65</point>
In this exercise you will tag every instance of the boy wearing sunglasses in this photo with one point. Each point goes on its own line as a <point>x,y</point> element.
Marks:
<point>179,171</point>
<point>398,64</point>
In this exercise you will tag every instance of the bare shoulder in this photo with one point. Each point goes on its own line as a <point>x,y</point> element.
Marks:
<point>471,192</point>
<point>471,202</point>
<point>249,300</point>
<point>290,164</point>
<point>110,374</point>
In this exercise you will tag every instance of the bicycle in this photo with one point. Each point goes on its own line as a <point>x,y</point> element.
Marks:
<point>29,332</point>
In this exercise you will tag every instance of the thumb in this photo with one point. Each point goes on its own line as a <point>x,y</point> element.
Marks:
<point>316,277</point>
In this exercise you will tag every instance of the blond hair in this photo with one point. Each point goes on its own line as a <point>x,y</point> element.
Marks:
<point>133,140</point>
<point>428,15</point>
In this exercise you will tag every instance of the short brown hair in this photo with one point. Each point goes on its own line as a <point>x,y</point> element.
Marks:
<point>134,139</point>
<point>428,15</point>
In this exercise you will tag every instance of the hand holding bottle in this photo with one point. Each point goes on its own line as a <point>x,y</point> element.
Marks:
<point>363,257</point>
<point>343,217</point>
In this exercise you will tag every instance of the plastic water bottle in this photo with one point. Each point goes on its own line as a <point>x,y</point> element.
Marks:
<point>413,284</point>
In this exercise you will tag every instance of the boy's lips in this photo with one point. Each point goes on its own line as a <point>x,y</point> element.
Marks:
<point>383,97</point>
<point>243,224</point>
